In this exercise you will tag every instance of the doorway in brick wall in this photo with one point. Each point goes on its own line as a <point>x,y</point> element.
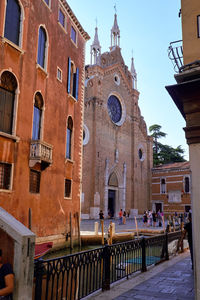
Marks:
<point>158,207</point>
<point>111,203</point>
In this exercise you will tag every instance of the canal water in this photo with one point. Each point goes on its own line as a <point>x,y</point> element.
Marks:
<point>67,251</point>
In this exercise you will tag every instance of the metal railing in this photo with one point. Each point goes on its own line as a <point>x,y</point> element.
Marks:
<point>175,53</point>
<point>75,276</point>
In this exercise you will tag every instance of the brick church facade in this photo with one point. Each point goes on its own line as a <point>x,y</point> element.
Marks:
<point>117,152</point>
<point>42,58</point>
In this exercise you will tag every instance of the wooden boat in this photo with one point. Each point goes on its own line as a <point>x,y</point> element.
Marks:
<point>42,249</point>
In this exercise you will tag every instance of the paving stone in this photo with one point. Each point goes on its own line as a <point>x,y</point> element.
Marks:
<point>175,283</point>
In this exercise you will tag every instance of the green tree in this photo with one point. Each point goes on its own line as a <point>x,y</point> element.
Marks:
<point>163,154</point>
<point>156,134</point>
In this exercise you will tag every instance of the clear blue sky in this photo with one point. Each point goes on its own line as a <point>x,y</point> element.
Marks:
<point>147,27</point>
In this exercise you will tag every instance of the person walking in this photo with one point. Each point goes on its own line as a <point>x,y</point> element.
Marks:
<point>120,216</point>
<point>101,216</point>
<point>124,218</point>
<point>188,230</point>
<point>145,219</point>
<point>159,219</point>
<point>154,218</point>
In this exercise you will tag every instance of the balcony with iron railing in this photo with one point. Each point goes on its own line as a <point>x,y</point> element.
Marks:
<point>40,152</point>
<point>175,53</point>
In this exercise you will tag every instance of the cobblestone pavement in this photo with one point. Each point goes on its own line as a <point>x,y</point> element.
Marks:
<point>171,280</point>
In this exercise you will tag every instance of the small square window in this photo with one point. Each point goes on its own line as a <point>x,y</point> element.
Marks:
<point>198,26</point>
<point>73,34</point>
<point>68,184</point>
<point>59,74</point>
<point>5,176</point>
<point>34,183</point>
<point>61,18</point>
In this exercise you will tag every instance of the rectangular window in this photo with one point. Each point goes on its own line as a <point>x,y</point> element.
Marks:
<point>68,184</point>
<point>47,2</point>
<point>5,176</point>
<point>34,183</point>
<point>61,18</point>
<point>59,74</point>
<point>73,34</point>
<point>198,26</point>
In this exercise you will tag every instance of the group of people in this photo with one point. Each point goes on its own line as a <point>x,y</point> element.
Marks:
<point>150,218</point>
<point>122,216</point>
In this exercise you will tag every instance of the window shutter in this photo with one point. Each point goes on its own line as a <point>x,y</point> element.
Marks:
<point>6,111</point>
<point>69,75</point>
<point>36,124</point>
<point>41,47</point>
<point>77,79</point>
<point>8,117</point>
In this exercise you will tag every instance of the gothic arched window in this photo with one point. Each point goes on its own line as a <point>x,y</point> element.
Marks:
<point>12,21</point>
<point>42,48</point>
<point>37,117</point>
<point>8,86</point>
<point>69,138</point>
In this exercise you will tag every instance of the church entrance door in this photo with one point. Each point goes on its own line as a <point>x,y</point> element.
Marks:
<point>111,202</point>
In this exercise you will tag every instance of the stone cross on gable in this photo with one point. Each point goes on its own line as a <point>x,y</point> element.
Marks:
<point>115,7</point>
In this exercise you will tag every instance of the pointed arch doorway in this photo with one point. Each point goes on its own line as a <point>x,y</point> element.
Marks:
<point>112,195</point>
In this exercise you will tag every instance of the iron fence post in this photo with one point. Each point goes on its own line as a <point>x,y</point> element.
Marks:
<point>144,267</point>
<point>106,268</point>
<point>166,247</point>
<point>38,279</point>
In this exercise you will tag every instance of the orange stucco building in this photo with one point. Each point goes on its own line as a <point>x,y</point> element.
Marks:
<point>171,188</point>
<point>42,53</point>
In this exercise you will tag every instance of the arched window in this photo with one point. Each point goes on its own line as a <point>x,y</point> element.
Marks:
<point>69,138</point>
<point>113,180</point>
<point>37,116</point>
<point>12,22</point>
<point>42,46</point>
<point>73,79</point>
<point>8,86</point>
<point>163,186</point>
<point>187,185</point>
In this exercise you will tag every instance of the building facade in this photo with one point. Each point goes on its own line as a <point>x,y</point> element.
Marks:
<point>186,95</point>
<point>117,152</point>
<point>42,52</point>
<point>171,188</point>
